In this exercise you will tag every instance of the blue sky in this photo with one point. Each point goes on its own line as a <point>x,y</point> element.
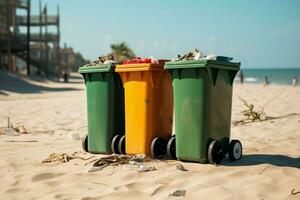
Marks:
<point>260,34</point>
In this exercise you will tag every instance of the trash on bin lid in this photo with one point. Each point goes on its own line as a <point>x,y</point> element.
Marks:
<point>195,54</point>
<point>105,59</point>
<point>138,60</point>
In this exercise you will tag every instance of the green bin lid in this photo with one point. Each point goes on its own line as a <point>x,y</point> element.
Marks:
<point>97,68</point>
<point>220,63</point>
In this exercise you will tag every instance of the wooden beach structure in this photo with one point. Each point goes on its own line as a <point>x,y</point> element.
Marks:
<point>17,40</point>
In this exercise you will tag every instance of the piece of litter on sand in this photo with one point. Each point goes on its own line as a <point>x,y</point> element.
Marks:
<point>115,160</point>
<point>97,168</point>
<point>73,136</point>
<point>181,167</point>
<point>294,192</point>
<point>21,129</point>
<point>132,162</point>
<point>139,158</point>
<point>50,132</point>
<point>178,193</point>
<point>146,168</point>
<point>10,132</point>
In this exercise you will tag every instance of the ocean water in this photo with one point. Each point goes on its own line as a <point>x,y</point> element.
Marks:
<point>275,76</point>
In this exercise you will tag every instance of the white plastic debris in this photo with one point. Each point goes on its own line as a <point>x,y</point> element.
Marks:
<point>153,60</point>
<point>110,62</point>
<point>180,167</point>
<point>134,163</point>
<point>210,56</point>
<point>146,168</point>
<point>96,168</point>
<point>10,132</point>
<point>198,55</point>
<point>195,54</point>
<point>73,136</point>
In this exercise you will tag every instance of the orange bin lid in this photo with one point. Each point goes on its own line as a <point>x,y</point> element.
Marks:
<point>139,67</point>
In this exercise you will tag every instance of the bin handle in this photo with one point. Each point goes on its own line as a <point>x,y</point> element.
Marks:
<point>84,78</point>
<point>231,74</point>
<point>177,73</point>
<point>213,74</point>
<point>88,77</point>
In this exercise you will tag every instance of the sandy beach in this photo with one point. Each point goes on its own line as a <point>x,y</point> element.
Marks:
<point>55,113</point>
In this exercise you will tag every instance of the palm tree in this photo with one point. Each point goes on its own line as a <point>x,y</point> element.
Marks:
<point>121,51</point>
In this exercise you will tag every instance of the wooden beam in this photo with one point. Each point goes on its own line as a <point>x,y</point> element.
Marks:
<point>8,20</point>
<point>28,36</point>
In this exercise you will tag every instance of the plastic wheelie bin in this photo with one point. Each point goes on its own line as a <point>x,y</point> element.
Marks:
<point>148,108</point>
<point>105,108</point>
<point>202,106</point>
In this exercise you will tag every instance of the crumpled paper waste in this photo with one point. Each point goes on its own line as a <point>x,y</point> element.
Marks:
<point>195,54</point>
<point>105,59</point>
<point>146,168</point>
<point>139,60</point>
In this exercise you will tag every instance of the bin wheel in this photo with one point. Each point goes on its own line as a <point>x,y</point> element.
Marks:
<point>158,147</point>
<point>85,143</point>
<point>215,152</point>
<point>115,144</point>
<point>171,148</point>
<point>235,150</point>
<point>121,145</point>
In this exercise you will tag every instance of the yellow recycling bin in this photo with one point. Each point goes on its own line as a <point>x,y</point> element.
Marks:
<point>148,108</point>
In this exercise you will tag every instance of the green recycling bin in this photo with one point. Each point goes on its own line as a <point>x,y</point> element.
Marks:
<point>105,108</point>
<point>202,105</point>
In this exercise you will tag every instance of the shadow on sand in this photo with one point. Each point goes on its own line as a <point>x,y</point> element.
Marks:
<point>257,159</point>
<point>12,83</point>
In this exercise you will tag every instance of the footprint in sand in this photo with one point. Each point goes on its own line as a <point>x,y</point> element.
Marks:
<point>44,176</point>
<point>14,190</point>
<point>157,190</point>
<point>90,198</point>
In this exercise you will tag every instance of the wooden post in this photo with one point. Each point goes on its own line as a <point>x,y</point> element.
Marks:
<point>40,38</point>
<point>28,36</point>
<point>46,41</point>
<point>8,20</point>
<point>58,41</point>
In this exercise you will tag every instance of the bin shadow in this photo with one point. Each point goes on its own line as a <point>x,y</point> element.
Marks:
<point>257,159</point>
<point>12,83</point>
<point>3,93</point>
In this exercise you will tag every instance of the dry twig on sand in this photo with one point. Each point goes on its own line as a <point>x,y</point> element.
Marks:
<point>59,158</point>
<point>251,113</point>
<point>115,160</point>
<point>294,192</point>
<point>255,115</point>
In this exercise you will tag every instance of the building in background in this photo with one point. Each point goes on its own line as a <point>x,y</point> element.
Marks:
<point>25,51</point>
<point>71,60</point>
